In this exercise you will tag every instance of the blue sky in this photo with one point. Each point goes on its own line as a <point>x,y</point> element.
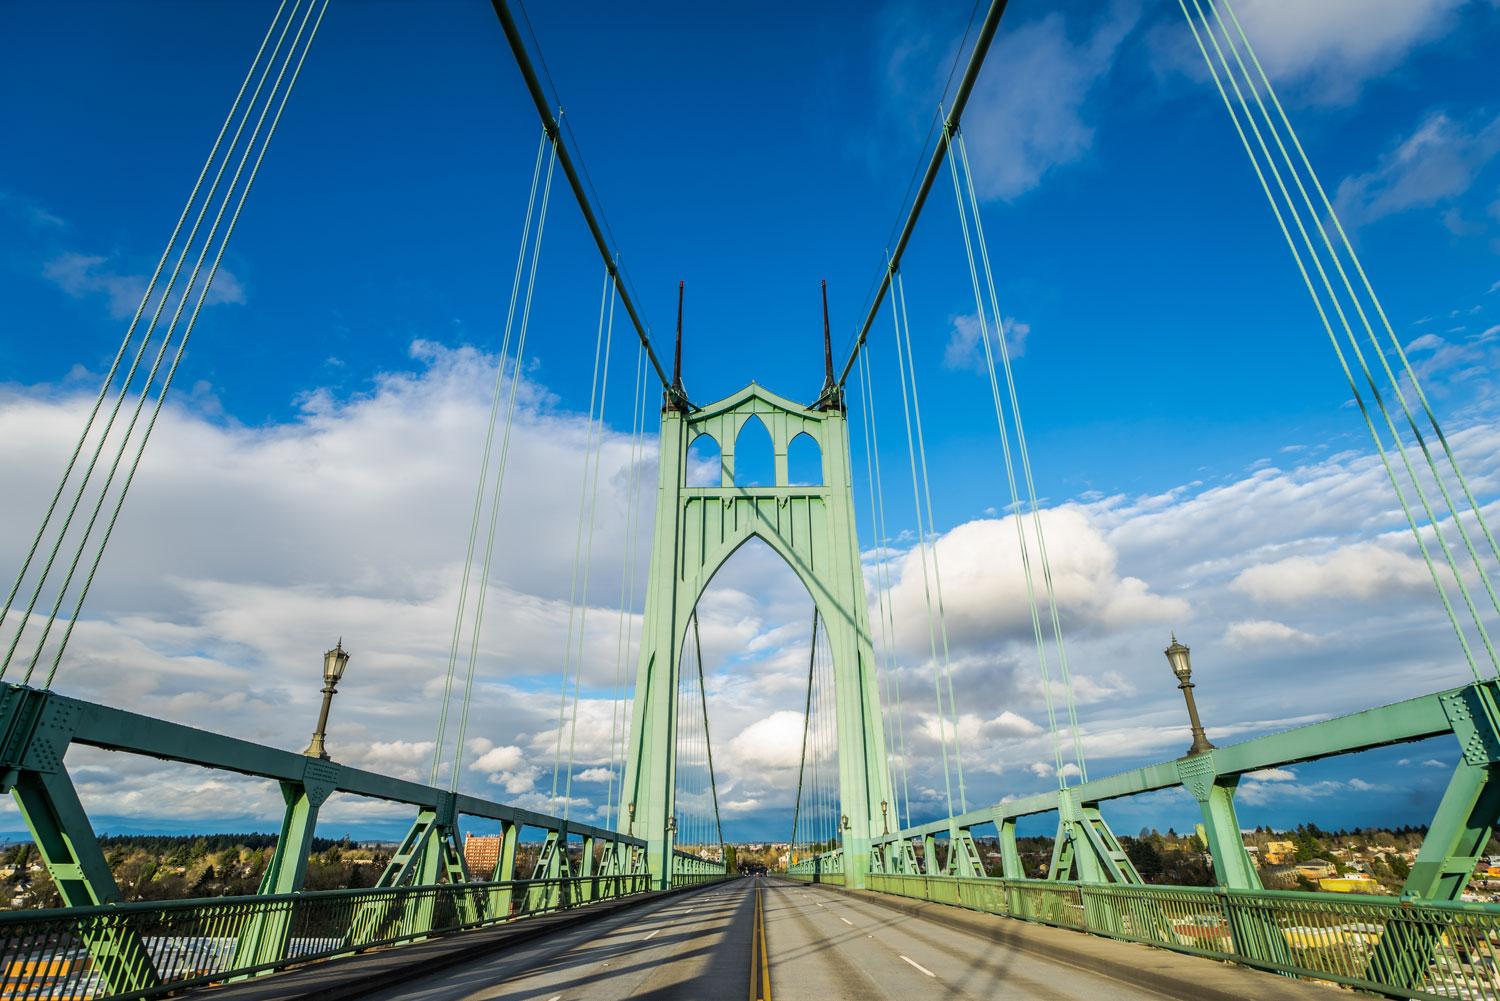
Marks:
<point>1172,375</point>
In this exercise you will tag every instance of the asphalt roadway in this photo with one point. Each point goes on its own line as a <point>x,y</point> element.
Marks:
<point>816,945</point>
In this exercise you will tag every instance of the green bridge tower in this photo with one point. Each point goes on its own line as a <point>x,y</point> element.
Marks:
<point>697,530</point>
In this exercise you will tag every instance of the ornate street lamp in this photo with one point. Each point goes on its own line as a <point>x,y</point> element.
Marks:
<point>1177,656</point>
<point>334,662</point>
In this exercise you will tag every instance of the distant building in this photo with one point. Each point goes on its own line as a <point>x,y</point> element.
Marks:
<point>1351,883</point>
<point>1279,852</point>
<point>481,854</point>
<point>1315,868</point>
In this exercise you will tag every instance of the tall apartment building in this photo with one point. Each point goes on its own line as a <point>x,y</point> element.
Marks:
<point>480,855</point>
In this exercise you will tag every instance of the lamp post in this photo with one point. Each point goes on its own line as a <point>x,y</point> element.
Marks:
<point>334,662</point>
<point>1177,656</point>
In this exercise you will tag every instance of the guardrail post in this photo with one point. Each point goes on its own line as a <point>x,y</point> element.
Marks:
<point>586,885</point>
<point>1255,933</point>
<point>264,937</point>
<point>505,871</point>
<point>1010,857</point>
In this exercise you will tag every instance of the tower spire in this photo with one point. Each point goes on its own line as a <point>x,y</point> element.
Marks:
<point>827,343</point>
<point>830,398</point>
<point>677,353</point>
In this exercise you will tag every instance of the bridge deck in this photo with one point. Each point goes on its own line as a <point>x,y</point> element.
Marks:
<point>823,944</point>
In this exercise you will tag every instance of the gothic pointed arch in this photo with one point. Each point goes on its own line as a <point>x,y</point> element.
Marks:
<point>697,530</point>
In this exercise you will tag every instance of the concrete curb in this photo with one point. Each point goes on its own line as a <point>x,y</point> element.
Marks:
<point>1172,974</point>
<point>336,980</point>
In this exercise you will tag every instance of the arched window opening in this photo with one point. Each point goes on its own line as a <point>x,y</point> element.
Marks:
<point>705,463</point>
<point>804,462</point>
<point>754,457</point>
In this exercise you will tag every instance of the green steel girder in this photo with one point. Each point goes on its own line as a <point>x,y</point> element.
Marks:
<point>1421,718</point>
<point>96,725</point>
<point>66,841</point>
<point>264,937</point>
<point>37,728</point>
<point>1471,804</point>
<point>697,530</point>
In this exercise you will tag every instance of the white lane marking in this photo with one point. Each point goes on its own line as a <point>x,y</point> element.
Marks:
<point>688,911</point>
<point>820,905</point>
<point>846,921</point>
<point>555,997</point>
<point>648,938</point>
<point>918,965</point>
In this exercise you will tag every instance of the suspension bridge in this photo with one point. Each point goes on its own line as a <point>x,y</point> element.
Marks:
<point>873,902</point>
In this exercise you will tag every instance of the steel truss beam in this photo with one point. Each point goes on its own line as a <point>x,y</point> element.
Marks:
<point>38,727</point>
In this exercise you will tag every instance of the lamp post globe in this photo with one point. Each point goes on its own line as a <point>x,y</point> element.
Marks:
<point>334,663</point>
<point>1182,667</point>
<point>1177,656</point>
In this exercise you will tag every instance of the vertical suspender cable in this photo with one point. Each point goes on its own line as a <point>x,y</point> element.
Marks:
<point>109,377</point>
<point>583,498</point>
<point>885,663</point>
<point>176,358</point>
<point>1015,407</point>
<point>1370,290</point>
<point>1328,328</point>
<point>1359,308</point>
<point>463,586</point>
<point>162,301</point>
<point>922,551</point>
<point>937,575</point>
<point>627,583</point>
<point>1010,473</point>
<point>884,565</point>
<point>708,747</point>
<point>588,559</point>
<point>510,416</point>
<point>806,725</point>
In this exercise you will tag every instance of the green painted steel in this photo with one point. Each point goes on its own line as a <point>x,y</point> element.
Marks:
<point>697,530</point>
<point>1085,849</point>
<point>1423,944</point>
<point>1395,946</point>
<point>49,954</point>
<point>38,727</point>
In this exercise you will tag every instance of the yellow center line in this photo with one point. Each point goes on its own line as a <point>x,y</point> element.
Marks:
<point>760,966</point>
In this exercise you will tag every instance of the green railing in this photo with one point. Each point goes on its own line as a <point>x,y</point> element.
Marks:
<point>144,949</point>
<point>831,878</point>
<point>681,879</point>
<point>1399,947</point>
<point>825,868</point>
